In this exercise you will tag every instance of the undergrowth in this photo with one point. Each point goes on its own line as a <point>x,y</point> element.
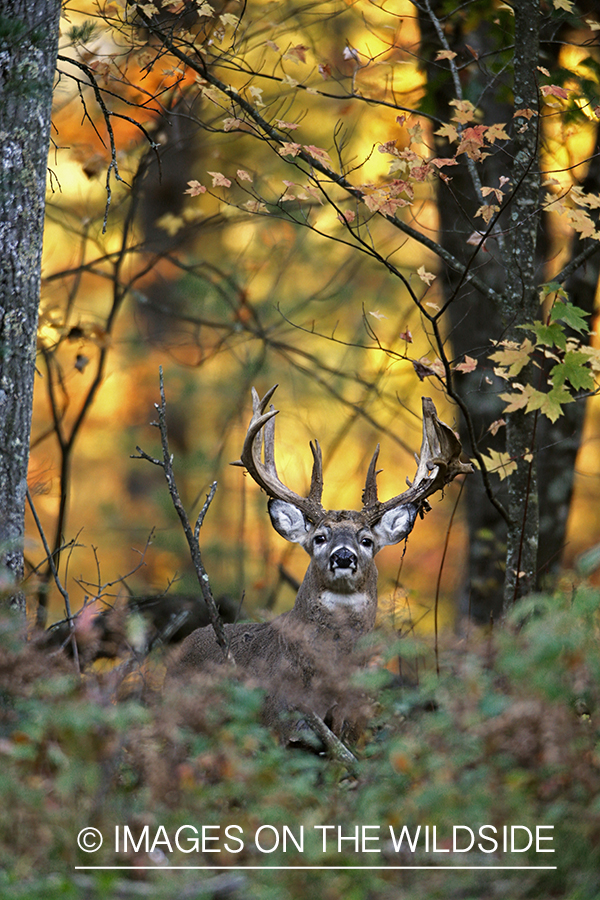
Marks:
<point>506,735</point>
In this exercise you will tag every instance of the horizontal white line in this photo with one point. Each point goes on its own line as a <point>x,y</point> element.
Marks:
<point>336,868</point>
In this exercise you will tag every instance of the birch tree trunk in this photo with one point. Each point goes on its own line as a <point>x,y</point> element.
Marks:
<point>28,48</point>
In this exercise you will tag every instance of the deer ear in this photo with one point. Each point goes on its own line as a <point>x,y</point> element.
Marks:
<point>395,525</point>
<point>288,521</point>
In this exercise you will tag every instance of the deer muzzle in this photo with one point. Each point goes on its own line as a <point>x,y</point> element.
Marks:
<point>343,559</point>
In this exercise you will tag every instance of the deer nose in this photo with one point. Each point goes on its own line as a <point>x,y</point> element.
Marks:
<point>343,559</point>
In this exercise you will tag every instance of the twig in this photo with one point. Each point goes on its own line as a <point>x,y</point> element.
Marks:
<point>57,581</point>
<point>336,748</point>
<point>192,537</point>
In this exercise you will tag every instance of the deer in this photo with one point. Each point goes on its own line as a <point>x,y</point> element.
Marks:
<point>304,657</point>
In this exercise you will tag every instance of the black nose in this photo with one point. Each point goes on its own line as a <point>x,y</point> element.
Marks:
<point>343,559</point>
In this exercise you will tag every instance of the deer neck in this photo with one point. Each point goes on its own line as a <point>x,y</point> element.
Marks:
<point>331,607</point>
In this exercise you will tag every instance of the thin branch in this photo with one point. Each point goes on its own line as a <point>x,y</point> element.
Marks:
<point>57,581</point>
<point>166,464</point>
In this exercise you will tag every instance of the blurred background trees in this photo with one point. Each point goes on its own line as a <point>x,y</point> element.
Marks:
<point>337,197</point>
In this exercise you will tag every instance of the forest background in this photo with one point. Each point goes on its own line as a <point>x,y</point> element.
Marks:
<point>363,202</point>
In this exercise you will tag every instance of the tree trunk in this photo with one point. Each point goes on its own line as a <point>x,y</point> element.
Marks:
<point>27,63</point>
<point>521,304</point>
<point>475,321</point>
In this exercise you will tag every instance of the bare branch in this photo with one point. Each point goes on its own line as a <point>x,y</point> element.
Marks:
<point>191,536</point>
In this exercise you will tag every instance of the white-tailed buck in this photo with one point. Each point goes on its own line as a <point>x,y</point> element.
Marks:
<point>304,657</point>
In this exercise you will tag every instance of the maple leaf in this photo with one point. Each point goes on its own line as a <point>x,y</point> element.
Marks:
<point>229,19</point>
<point>425,276</point>
<point>487,212</point>
<point>471,142</point>
<point>170,223</point>
<point>582,223</point>
<point>512,357</point>
<point>350,53</point>
<point>550,404</point>
<point>445,54</point>
<point>324,71</point>
<point>465,111</point>
<point>230,123</point>
<point>567,5</point>
<point>468,365</point>
<point>347,217</point>
<point>318,153</point>
<point>524,113</point>
<point>448,131</point>
<point>255,206</point>
<point>297,53</point>
<point>496,426</point>
<point>438,162</point>
<point>290,126</point>
<point>517,399</point>
<point>195,188</point>
<point>549,335</point>
<point>554,90</point>
<point>243,175</point>
<point>499,463</point>
<point>205,9</point>
<point>416,134</point>
<point>376,314</point>
<point>256,94</point>
<point>486,191</point>
<point>289,149</point>
<point>585,199</point>
<point>309,190</point>
<point>220,180</point>
<point>497,132</point>
<point>573,369</point>
<point>405,336</point>
<point>571,315</point>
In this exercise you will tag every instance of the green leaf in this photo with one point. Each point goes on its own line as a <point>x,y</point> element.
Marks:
<point>574,370</point>
<point>550,404</point>
<point>553,287</point>
<point>571,315</point>
<point>552,335</point>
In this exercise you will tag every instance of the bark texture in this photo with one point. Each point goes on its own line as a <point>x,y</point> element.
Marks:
<point>513,264</point>
<point>28,47</point>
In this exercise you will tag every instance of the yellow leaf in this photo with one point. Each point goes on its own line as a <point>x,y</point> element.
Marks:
<point>425,276</point>
<point>499,463</point>
<point>448,131</point>
<point>468,365</point>
<point>445,54</point>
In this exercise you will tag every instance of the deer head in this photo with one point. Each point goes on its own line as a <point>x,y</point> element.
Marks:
<point>342,543</point>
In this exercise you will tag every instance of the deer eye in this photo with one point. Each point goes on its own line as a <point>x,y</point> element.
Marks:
<point>319,539</point>
<point>367,542</point>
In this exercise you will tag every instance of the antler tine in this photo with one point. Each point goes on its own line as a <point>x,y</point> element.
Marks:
<point>258,458</point>
<point>369,497</point>
<point>316,479</point>
<point>438,464</point>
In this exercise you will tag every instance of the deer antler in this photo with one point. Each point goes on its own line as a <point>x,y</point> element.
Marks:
<point>258,458</point>
<point>438,463</point>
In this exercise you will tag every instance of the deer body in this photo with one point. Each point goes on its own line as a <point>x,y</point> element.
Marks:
<point>305,657</point>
